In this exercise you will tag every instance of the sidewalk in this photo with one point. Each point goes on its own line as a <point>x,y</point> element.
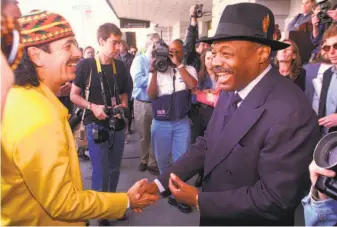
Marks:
<point>159,214</point>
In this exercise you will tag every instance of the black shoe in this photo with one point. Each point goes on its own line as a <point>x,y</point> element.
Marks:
<point>122,218</point>
<point>198,182</point>
<point>103,222</point>
<point>142,167</point>
<point>182,207</point>
<point>153,170</point>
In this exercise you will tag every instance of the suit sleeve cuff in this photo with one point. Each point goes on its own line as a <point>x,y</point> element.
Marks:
<point>159,185</point>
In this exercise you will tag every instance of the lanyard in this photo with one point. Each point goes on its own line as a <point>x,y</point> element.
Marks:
<point>99,67</point>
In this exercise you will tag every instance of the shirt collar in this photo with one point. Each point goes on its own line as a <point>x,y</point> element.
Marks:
<point>51,97</point>
<point>245,91</point>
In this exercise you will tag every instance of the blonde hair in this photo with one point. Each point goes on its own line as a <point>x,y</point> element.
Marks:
<point>296,64</point>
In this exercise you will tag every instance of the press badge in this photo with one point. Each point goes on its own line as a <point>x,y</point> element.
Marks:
<point>161,113</point>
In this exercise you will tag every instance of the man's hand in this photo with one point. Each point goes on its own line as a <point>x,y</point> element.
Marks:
<point>328,121</point>
<point>98,111</point>
<point>175,59</point>
<point>137,203</point>
<point>333,14</point>
<point>315,171</point>
<point>152,66</point>
<point>148,188</point>
<point>183,192</point>
<point>65,89</point>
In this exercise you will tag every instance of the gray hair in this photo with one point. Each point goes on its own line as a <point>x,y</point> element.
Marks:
<point>150,38</point>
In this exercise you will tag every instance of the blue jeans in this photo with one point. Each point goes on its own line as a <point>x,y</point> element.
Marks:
<point>170,138</point>
<point>105,158</point>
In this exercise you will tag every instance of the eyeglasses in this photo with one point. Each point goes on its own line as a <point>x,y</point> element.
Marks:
<point>11,46</point>
<point>327,48</point>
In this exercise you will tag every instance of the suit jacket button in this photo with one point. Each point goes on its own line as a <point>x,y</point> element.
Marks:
<point>229,172</point>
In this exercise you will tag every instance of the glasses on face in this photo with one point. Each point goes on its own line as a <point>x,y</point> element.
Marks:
<point>327,48</point>
<point>11,46</point>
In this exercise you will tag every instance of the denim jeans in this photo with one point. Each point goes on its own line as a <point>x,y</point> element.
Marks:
<point>105,158</point>
<point>170,138</point>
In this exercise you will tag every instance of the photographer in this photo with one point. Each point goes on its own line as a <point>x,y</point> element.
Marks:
<point>193,51</point>
<point>302,18</point>
<point>319,209</point>
<point>105,140</point>
<point>169,91</point>
<point>319,26</point>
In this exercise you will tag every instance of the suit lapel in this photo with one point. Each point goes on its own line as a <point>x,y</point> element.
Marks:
<point>240,123</point>
<point>324,92</point>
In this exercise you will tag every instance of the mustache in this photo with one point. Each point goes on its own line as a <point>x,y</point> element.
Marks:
<point>73,60</point>
<point>226,70</point>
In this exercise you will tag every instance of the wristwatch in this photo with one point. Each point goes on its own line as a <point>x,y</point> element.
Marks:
<point>89,106</point>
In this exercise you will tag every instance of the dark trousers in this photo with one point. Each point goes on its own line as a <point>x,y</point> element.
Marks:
<point>105,158</point>
<point>195,122</point>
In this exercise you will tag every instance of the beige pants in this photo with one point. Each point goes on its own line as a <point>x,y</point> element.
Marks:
<point>143,121</point>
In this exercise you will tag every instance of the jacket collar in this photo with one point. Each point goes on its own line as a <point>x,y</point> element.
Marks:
<point>52,98</point>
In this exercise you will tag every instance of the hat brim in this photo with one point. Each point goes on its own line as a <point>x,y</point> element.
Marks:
<point>275,45</point>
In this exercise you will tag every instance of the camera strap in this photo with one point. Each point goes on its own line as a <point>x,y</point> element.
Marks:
<point>100,75</point>
<point>87,92</point>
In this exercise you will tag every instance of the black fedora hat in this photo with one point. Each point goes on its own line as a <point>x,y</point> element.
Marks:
<point>247,21</point>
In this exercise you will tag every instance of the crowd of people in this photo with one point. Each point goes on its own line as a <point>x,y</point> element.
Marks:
<point>239,109</point>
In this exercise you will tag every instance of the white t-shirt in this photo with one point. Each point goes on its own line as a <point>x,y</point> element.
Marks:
<point>165,80</point>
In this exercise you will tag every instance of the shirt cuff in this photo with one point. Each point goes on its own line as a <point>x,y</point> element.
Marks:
<point>128,204</point>
<point>159,185</point>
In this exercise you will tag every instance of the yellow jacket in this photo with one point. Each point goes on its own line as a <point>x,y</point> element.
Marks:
<point>41,181</point>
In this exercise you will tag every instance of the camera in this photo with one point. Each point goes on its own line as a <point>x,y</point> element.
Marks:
<point>75,119</point>
<point>323,14</point>
<point>160,53</point>
<point>100,135</point>
<point>117,117</point>
<point>325,156</point>
<point>198,11</point>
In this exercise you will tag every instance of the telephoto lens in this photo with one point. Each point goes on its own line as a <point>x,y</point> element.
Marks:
<point>325,156</point>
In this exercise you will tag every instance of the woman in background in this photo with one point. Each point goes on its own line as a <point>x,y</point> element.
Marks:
<point>289,64</point>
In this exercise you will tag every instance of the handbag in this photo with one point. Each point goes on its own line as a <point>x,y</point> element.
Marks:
<point>79,131</point>
<point>210,99</point>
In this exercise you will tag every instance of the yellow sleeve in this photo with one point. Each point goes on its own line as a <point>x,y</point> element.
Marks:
<point>44,160</point>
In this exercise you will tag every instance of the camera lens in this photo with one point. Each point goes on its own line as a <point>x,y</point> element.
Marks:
<point>325,154</point>
<point>332,155</point>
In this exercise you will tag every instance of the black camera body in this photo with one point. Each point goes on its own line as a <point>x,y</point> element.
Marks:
<point>161,54</point>
<point>323,14</point>
<point>325,156</point>
<point>75,118</point>
<point>198,11</point>
<point>117,117</point>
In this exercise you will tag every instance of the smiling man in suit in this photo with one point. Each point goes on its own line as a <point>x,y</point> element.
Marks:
<point>260,139</point>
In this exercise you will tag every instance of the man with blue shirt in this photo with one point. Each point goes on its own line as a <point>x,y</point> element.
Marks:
<point>327,107</point>
<point>142,105</point>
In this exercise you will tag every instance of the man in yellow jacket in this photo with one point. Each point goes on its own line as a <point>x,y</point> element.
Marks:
<point>41,179</point>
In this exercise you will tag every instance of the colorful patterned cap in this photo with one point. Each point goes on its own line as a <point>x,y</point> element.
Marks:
<point>40,27</point>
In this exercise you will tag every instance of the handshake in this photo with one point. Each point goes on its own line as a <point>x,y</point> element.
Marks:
<point>143,194</point>
<point>140,197</point>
